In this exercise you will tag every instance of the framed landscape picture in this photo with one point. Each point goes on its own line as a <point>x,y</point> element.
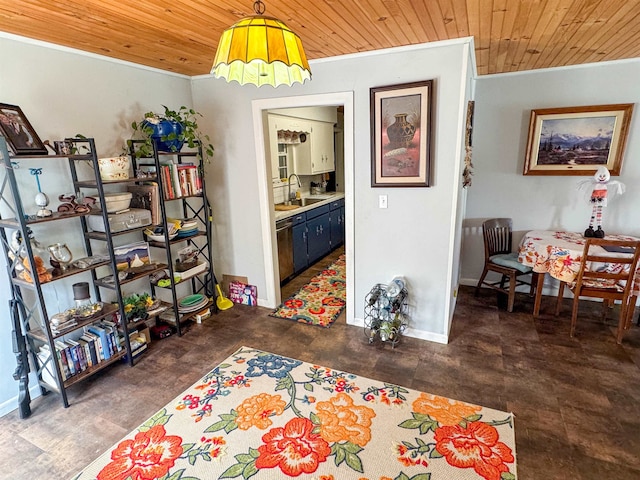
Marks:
<point>132,256</point>
<point>401,124</point>
<point>577,140</point>
<point>18,132</point>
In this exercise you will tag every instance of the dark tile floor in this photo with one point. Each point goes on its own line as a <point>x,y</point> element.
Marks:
<point>576,401</point>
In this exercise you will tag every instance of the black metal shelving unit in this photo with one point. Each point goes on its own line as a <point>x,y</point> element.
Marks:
<point>28,307</point>
<point>192,206</point>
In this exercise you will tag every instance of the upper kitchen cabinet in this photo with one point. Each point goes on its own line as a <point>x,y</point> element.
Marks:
<point>317,153</point>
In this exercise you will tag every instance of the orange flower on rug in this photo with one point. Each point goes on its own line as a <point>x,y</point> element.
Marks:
<point>320,301</point>
<point>262,416</point>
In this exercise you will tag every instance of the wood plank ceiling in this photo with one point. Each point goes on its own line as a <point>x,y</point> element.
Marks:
<point>182,35</point>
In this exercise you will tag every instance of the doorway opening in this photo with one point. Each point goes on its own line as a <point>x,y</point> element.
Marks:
<point>344,101</point>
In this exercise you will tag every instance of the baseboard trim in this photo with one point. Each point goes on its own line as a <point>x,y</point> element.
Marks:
<point>12,403</point>
<point>412,332</point>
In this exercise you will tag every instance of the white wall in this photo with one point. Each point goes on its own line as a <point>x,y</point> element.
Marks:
<point>411,238</point>
<point>503,106</point>
<point>461,193</point>
<point>63,93</point>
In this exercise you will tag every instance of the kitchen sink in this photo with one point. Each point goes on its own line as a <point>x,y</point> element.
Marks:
<point>303,202</point>
<point>300,202</point>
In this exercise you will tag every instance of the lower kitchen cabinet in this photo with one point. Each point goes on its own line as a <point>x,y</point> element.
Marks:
<point>300,259</point>
<point>318,237</point>
<point>336,221</point>
<point>317,232</point>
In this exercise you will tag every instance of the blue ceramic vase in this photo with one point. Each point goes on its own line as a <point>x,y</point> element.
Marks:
<point>166,135</point>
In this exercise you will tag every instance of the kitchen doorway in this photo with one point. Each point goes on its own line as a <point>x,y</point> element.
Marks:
<point>260,109</point>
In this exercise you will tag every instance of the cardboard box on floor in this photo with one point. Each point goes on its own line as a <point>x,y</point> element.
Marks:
<point>227,279</point>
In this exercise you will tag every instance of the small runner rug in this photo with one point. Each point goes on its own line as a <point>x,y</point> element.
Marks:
<point>321,300</point>
<point>263,416</point>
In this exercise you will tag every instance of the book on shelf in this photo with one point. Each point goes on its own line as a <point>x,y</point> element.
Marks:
<point>180,180</point>
<point>61,350</point>
<point>89,339</point>
<point>175,180</point>
<point>103,341</point>
<point>75,355</point>
<point>94,346</point>
<point>113,330</point>
<point>110,341</point>
<point>84,348</point>
<point>146,196</point>
<point>65,353</point>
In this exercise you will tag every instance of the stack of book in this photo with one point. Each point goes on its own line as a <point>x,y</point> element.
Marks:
<point>180,180</point>
<point>98,343</point>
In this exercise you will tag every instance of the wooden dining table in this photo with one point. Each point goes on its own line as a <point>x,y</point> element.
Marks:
<point>559,254</point>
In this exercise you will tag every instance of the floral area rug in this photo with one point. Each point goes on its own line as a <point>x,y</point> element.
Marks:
<point>262,416</point>
<point>321,300</point>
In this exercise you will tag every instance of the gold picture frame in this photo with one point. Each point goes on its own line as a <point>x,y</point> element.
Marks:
<point>577,140</point>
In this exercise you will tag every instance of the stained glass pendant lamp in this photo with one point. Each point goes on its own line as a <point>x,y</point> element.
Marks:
<point>261,50</point>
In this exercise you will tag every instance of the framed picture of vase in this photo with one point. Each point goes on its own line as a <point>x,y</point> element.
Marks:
<point>577,140</point>
<point>401,125</point>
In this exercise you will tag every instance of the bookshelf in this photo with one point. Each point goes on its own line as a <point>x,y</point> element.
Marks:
<point>180,193</point>
<point>86,345</point>
<point>93,339</point>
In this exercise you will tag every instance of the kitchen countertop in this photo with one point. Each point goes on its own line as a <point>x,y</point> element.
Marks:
<point>326,199</point>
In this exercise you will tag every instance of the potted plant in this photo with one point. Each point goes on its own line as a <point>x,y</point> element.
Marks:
<point>170,130</point>
<point>137,305</point>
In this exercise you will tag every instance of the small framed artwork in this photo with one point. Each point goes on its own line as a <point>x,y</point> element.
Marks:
<point>577,140</point>
<point>18,132</point>
<point>401,125</point>
<point>132,256</point>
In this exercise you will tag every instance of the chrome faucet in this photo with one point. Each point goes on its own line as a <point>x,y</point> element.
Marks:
<point>288,202</point>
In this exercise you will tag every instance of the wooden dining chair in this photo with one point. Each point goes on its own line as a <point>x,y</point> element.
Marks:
<point>497,234</point>
<point>611,282</point>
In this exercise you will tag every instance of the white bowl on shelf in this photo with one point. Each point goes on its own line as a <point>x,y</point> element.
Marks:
<point>157,235</point>
<point>116,202</point>
<point>114,168</point>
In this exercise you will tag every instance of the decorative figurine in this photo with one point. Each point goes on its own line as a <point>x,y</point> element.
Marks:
<point>41,199</point>
<point>599,190</point>
<point>75,203</point>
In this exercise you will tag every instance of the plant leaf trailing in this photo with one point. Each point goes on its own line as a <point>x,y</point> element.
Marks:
<point>191,134</point>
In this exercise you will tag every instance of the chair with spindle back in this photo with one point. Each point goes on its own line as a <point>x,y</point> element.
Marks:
<point>606,277</point>
<point>498,257</point>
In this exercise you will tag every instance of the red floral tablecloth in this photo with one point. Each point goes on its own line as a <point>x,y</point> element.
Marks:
<point>559,254</point>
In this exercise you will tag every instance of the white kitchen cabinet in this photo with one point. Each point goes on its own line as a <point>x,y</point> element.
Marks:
<point>281,153</point>
<point>316,155</point>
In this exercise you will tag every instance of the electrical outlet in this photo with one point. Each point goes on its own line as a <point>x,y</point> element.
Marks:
<point>382,201</point>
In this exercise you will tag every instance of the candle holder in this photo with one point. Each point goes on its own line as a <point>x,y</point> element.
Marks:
<point>41,198</point>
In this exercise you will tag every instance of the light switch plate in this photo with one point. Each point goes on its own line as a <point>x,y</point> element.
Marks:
<point>382,201</point>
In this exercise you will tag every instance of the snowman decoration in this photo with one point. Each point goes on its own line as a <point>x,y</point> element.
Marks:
<point>599,190</point>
